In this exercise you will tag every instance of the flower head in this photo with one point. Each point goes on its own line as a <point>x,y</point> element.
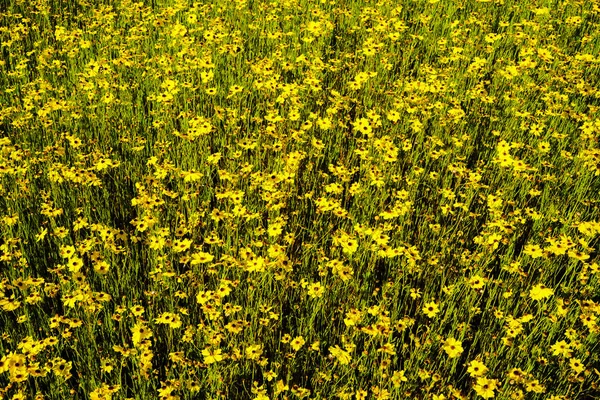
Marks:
<point>453,347</point>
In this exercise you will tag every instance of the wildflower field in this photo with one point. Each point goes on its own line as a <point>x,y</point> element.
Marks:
<point>299,199</point>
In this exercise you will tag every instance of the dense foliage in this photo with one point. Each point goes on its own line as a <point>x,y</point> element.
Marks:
<point>299,199</point>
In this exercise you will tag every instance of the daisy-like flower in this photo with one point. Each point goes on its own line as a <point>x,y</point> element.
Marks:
<point>398,377</point>
<point>212,356</point>
<point>431,309</point>
<point>476,282</point>
<point>453,347</point>
<point>201,258</point>
<point>534,386</point>
<point>286,338</point>
<point>297,343</point>
<point>75,264</point>
<point>315,290</point>
<point>533,250</point>
<point>485,387</point>
<point>254,352</point>
<point>476,368</point>
<point>140,333</point>
<point>67,251</point>
<point>342,356</point>
<point>576,365</point>
<point>561,348</point>
<point>540,292</point>
<point>516,375</point>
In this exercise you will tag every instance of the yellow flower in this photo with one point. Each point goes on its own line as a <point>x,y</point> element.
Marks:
<point>393,116</point>
<point>254,352</point>
<point>561,348</point>
<point>201,257</point>
<point>212,356</point>
<point>516,374</point>
<point>75,264</point>
<point>315,290</point>
<point>280,386</point>
<point>270,375</point>
<point>476,368</point>
<point>137,310</point>
<point>397,377</point>
<point>539,292</point>
<point>387,348</point>
<point>173,320</point>
<point>485,387</point>
<point>41,235</point>
<point>533,250</point>
<point>204,296</point>
<point>180,245</point>
<point>431,309</point>
<point>324,123</point>
<point>140,333</point>
<point>255,264</point>
<point>362,125</point>
<point>476,282</point>
<point>67,251</point>
<point>576,365</point>
<point>342,356</point>
<point>101,267</point>
<point>535,386</point>
<point>361,394</point>
<point>453,347</point>
<point>297,343</point>
<point>286,338</point>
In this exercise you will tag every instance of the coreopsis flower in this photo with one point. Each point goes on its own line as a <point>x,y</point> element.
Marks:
<point>431,309</point>
<point>534,386</point>
<point>204,296</point>
<point>380,393</point>
<point>397,377</point>
<point>477,368</point>
<point>286,338</point>
<point>201,257</point>
<point>180,245</point>
<point>485,387</point>
<point>212,356</point>
<point>387,348</point>
<point>137,310</point>
<point>561,348</point>
<point>74,264</point>
<point>40,236</point>
<point>315,290</point>
<point>363,125</point>
<point>540,292</point>
<point>393,116</point>
<point>140,332</point>
<point>361,394</point>
<point>297,343</point>
<point>67,251</point>
<point>342,356</point>
<point>453,347</point>
<point>516,375</point>
<point>533,250</point>
<point>324,123</point>
<point>254,352</point>
<point>589,320</point>
<point>576,365</point>
<point>476,282</point>
<point>173,320</point>
<point>102,267</point>
<point>256,264</point>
